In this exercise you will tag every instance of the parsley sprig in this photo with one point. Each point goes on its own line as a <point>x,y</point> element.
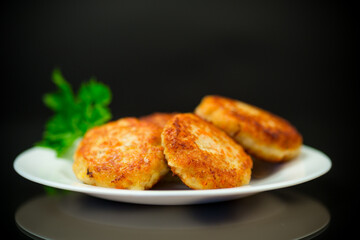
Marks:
<point>74,114</point>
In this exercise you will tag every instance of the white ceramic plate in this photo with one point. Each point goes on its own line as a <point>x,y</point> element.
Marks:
<point>42,166</point>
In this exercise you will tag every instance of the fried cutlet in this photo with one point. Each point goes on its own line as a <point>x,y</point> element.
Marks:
<point>125,154</point>
<point>202,155</point>
<point>260,132</point>
<point>160,119</point>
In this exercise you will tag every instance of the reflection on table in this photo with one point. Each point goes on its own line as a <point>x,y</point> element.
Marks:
<point>281,214</point>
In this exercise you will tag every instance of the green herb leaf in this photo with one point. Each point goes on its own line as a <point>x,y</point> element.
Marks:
<point>74,115</point>
<point>95,92</point>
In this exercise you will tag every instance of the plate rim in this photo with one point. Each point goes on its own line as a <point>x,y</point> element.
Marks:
<point>247,189</point>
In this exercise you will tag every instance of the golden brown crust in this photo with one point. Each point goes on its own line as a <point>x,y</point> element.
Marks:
<point>260,132</point>
<point>126,154</point>
<point>160,119</point>
<point>203,156</point>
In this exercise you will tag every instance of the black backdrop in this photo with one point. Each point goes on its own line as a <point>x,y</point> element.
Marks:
<point>294,58</point>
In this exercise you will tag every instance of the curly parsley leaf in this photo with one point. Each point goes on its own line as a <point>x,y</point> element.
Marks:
<point>74,114</point>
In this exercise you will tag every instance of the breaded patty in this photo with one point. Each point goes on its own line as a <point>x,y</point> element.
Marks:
<point>260,132</point>
<point>202,155</point>
<point>159,119</point>
<point>125,154</point>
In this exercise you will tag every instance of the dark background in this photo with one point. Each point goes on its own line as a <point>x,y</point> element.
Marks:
<point>294,58</point>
